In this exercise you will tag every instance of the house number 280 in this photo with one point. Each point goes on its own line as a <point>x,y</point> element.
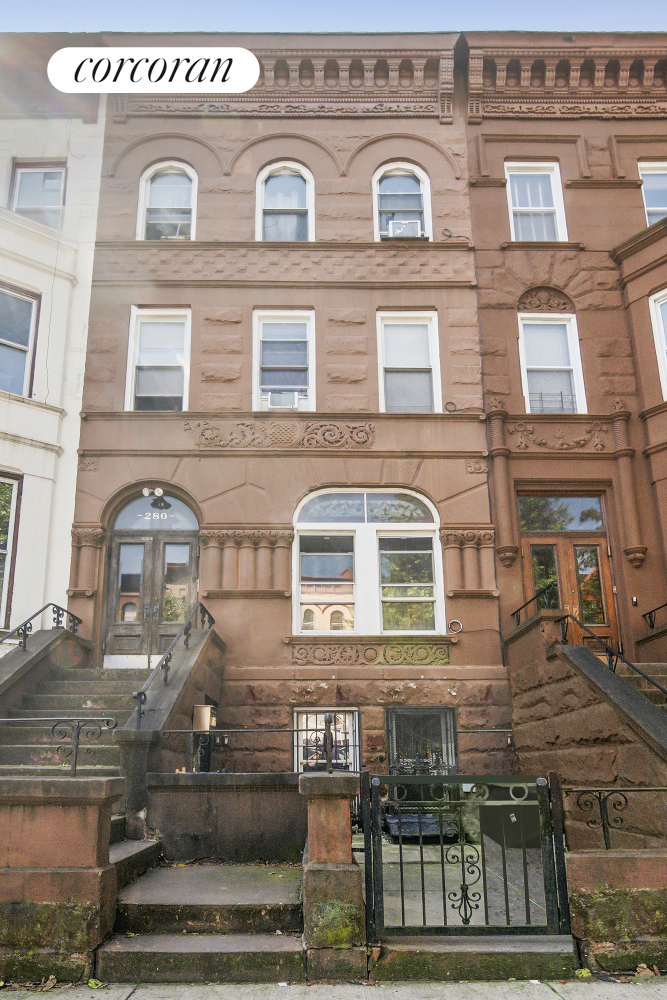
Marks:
<point>157,516</point>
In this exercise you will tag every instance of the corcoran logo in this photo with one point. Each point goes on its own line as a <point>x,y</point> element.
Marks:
<point>166,70</point>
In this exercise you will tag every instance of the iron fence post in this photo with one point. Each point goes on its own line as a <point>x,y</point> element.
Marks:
<point>548,861</point>
<point>365,793</point>
<point>328,741</point>
<point>556,797</point>
<point>378,898</point>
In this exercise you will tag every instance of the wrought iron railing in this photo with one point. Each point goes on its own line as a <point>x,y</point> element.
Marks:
<point>609,809</point>
<point>73,730</point>
<point>614,657</point>
<point>25,628</point>
<point>649,616</point>
<point>516,615</point>
<point>163,665</point>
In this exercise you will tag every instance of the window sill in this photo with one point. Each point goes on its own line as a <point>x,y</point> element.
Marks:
<point>542,245</point>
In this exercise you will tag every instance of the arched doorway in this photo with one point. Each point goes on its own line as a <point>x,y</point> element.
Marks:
<point>152,575</point>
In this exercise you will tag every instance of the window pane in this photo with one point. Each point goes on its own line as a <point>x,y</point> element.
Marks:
<point>655,215</point>
<point>334,507</point>
<point>422,741</point>
<point>15,319</point>
<point>311,754</point>
<point>406,568</point>
<point>285,191</point>
<point>159,381</point>
<point>535,226</point>
<point>168,223</point>
<point>284,331</point>
<point>6,493</point>
<point>327,573</point>
<point>406,345</point>
<point>545,572</point>
<point>655,190</point>
<point>410,203</point>
<point>12,369</point>
<point>587,564</point>
<point>176,582</point>
<point>287,226</point>
<point>408,392</point>
<point>531,190</point>
<point>408,616</point>
<point>396,507</point>
<point>153,513</point>
<point>39,188</point>
<point>663,316</point>
<point>399,184</point>
<point>161,343</point>
<point>560,514</point>
<point>285,379</point>
<point>170,190</point>
<point>130,577</point>
<point>546,345</point>
<point>551,392</point>
<point>284,352</point>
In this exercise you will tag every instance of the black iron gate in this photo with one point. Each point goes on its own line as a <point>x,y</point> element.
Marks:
<point>463,854</point>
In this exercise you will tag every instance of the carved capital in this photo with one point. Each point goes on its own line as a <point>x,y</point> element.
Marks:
<point>280,537</point>
<point>495,405</point>
<point>88,536</point>
<point>209,537</point>
<point>635,554</point>
<point>454,537</point>
<point>507,554</point>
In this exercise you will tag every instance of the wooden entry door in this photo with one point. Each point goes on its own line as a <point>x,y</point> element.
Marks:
<point>152,586</point>
<point>579,564</point>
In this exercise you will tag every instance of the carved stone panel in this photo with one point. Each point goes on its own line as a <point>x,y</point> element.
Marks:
<point>374,652</point>
<point>529,437</point>
<point>545,299</point>
<point>272,433</point>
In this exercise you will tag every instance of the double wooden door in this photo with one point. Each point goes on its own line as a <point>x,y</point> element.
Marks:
<point>579,564</point>
<point>152,586</point>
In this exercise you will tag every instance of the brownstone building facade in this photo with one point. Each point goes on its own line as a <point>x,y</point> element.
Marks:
<point>318,310</point>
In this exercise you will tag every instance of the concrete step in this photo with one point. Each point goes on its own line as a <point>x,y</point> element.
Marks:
<point>12,733</point>
<point>483,958</point>
<point>128,677</point>
<point>91,704</point>
<point>38,754</point>
<point>133,858</point>
<point>83,687</point>
<point>121,717</point>
<point>56,771</point>
<point>213,898</point>
<point>187,958</point>
<point>117,829</point>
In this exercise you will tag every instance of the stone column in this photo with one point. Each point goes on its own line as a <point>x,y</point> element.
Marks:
<point>500,484</point>
<point>264,562</point>
<point>230,560</point>
<point>282,559</point>
<point>211,563</point>
<point>247,560</point>
<point>451,544</point>
<point>333,908</point>
<point>470,561</point>
<point>486,561</point>
<point>634,550</point>
<point>90,542</point>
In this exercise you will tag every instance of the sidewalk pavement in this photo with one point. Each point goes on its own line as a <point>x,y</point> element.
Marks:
<point>586,990</point>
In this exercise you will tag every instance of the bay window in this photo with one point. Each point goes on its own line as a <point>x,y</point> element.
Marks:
<point>658,308</point>
<point>17,335</point>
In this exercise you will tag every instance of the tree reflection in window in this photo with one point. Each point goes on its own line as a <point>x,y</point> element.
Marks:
<point>560,513</point>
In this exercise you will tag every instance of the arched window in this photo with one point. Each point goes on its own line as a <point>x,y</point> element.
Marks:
<point>368,562</point>
<point>285,203</point>
<point>402,203</point>
<point>167,202</point>
<point>129,612</point>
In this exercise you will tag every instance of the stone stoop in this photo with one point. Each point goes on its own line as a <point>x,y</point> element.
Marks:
<point>657,671</point>
<point>213,922</point>
<point>483,958</point>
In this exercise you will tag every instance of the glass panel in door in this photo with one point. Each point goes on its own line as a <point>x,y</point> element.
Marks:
<point>589,584</point>
<point>545,574</point>
<point>130,582</point>
<point>176,583</point>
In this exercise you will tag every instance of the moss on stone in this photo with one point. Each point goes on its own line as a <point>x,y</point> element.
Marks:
<point>616,914</point>
<point>67,926</point>
<point>25,965</point>
<point>334,925</point>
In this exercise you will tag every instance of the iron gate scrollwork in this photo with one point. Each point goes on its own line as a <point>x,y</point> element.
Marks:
<point>463,855</point>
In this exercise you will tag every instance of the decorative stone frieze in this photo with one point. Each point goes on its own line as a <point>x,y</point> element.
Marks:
<point>529,437</point>
<point>476,466</point>
<point>372,651</point>
<point>88,463</point>
<point>247,560</point>
<point>545,299</point>
<point>272,433</point>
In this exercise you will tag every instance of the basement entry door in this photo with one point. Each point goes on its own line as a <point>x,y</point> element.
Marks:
<point>151,575</point>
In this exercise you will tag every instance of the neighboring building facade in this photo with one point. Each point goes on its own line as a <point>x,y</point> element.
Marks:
<point>284,340</point>
<point>567,145</point>
<point>50,161</point>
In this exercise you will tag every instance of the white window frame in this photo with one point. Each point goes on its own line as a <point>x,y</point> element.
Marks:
<point>551,168</point>
<point>138,314</point>
<point>318,710</point>
<point>425,182</point>
<point>367,595</point>
<point>39,169</point>
<point>646,167</point>
<point>570,320</point>
<point>401,319</point>
<point>660,336</point>
<point>144,185</point>
<point>276,168</point>
<point>306,316</point>
<point>11,531</point>
<point>30,351</point>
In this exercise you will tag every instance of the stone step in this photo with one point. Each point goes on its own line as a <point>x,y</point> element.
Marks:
<point>92,703</point>
<point>128,677</point>
<point>12,733</point>
<point>121,717</point>
<point>133,858</point>
<point>82,688</point>
<point>188,958</point>
<point>57,771</point>
<point>117,829</point>
<point>482,958</point>
<point>38,754</point>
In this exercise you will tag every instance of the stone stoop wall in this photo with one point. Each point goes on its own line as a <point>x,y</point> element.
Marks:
<point>562,724</point>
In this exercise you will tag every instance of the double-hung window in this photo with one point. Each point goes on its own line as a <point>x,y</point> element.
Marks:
<point>409,363</point>
<point>309,746</point>
<point>167,201</point>
<point>367,563</point>
<point>8,500</point>
<point>17,334</point>
<point>39,194</point>
<point>535,197</point>
<point>654,189</point>
<point>401,202</point>
<point>284,355</point>
<point>285,203</point>
<point>658,307</point>
<point>551,364</point>
<point>158,360</point>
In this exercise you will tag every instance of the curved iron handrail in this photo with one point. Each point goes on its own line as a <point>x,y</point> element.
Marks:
<point>72,729</point>
<point>516,615</point>
<point>25,628</point>
<point>164,663</point>
<point>613,655</point>
<point>649,616</point>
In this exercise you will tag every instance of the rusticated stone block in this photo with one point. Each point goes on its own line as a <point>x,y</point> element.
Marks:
<point>346,373</point>
<point>458,316</point>
<point>613,385</point>
<point>215,372</point>
<point>220,401</point>
<point>100,373</point>
<point>499,384</point>
<point>221,343</point>
<point>352,403</point>
<point>613,348</point>
<point>494,365</point>
<point>465,374</point>
<point>226,315</point>
<point>494,346</point>
<point>616,366</point>
<point>346,345</point>
<point>345,317</point>
<point>464,345</point>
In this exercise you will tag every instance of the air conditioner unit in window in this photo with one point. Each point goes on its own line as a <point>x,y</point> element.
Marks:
<point>281,401</point>
<point>403,229</point>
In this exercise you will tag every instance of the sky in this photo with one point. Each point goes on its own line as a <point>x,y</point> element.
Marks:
<point>334,15</point>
